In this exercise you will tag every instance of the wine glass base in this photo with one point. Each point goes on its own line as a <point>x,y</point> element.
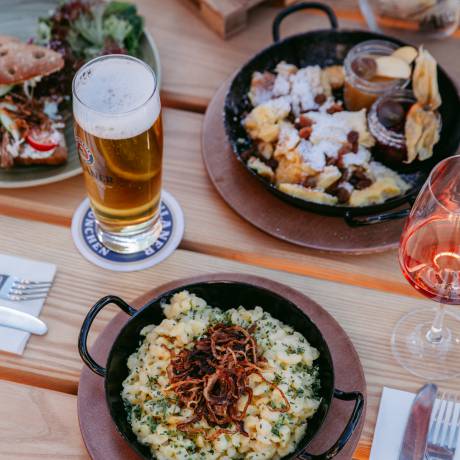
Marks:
<point>425,359</point>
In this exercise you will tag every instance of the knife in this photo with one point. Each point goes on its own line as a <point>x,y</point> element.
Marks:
<point>22,321</point>
<point>414,442</point>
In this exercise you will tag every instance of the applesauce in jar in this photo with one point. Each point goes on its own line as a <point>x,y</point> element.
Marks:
<point>363,86</point>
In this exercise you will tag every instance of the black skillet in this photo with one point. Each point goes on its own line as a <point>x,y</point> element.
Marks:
<point>222,294</point>
<point>325,48</point>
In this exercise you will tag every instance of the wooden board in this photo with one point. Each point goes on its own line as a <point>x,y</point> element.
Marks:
<point>252,201</point>
<point>196,61</point>
<point>100,434</point>
<point>52,361</point>
<point>228,17</point>
<point>38,423</point>
<point>212,227</point>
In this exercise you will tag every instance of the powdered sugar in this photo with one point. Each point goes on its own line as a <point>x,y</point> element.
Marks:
<point>288,137</point>
<point>360,158</point>
<point>312,155</point>
<point>305,85</point>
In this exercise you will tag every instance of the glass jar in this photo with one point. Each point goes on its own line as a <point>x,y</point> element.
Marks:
<point>412,19</point>
<point>360,93</point>
<point>390,147</point>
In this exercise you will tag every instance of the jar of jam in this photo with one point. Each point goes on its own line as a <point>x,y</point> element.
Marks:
<point>362,84</point>
<point>386,120</point>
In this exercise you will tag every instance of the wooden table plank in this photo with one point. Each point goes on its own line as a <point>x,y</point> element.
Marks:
<point>37,423</point>
<point>211,226</point>
<point>196,61</point>
<point>52,361</point>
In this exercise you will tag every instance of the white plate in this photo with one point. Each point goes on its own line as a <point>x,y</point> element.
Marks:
<point>19,18</point>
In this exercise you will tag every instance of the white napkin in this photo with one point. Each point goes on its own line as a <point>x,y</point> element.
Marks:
<point>391,423</point>
<point>12,340</point>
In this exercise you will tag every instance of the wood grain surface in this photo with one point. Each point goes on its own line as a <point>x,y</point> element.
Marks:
<point>94,414</point>
<point>212,227</point>
<point>251,200</point>
<point>52,361</point>
<point>37,423</point>
<point>196,61</point>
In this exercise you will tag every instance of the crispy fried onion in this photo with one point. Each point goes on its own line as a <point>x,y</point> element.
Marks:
<point>213,376</point>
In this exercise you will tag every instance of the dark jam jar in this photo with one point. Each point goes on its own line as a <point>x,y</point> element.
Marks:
<point>362,86</point>
<point>387,119</point>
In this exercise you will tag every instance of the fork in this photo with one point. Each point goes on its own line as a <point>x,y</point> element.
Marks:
<point>14,288</point>
<point>444,430</point>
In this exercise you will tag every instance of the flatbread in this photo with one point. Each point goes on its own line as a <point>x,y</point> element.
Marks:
<point>20,61</point>
<point>8,39</point>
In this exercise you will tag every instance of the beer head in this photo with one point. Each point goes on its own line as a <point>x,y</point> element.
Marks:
<point>115,97</point>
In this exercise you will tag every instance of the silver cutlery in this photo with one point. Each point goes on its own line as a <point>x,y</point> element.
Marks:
<point>14,288</point>
<point>22,321</point>
<point>415,436</point>
<point>444,431</point>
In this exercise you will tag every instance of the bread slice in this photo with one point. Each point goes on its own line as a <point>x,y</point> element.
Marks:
<point>4,39</point>
<point>58,157</point>
<point>20,62</point>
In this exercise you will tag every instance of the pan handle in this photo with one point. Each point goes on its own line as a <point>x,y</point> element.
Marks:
<point>302,6</point>
<point>83,337</point>
<point>348,430</point>
<point>361,221</point>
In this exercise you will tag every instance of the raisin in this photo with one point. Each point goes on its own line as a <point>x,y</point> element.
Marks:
<point>305,133</point>
<point>334,108</point>
<point>346,148</point>
<point>353,137</point>
<point>363,183</point>
<point>343,195</point>
<point>309,182</point>
<point>320,99</point>
<point>305,122</point>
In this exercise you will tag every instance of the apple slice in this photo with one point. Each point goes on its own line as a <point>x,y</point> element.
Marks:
<point>392,67</point>
<point>406,53</point>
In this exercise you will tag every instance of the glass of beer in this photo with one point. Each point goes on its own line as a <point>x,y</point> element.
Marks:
<point>119,137</point>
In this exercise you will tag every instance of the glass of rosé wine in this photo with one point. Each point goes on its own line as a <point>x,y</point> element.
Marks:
<point>427,341</point>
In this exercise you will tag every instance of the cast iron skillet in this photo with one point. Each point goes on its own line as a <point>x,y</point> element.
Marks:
<point>223,294</point>
<point>325,48</point>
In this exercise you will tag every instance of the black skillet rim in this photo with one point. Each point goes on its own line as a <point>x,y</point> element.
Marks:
<point>166,296</point>
<point>391,203</point>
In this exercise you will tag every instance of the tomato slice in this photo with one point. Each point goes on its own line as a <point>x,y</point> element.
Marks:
<point>40,141</point>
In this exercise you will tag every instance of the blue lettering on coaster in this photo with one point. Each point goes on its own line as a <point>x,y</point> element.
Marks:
<point>88,230</point>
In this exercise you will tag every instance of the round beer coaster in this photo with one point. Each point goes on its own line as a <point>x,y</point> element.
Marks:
<point>84,236</point>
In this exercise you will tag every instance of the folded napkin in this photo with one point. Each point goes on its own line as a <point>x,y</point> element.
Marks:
<point>391,424</point>
<point>12,340</point>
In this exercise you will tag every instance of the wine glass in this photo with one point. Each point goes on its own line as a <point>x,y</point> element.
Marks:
<point>427,341</point>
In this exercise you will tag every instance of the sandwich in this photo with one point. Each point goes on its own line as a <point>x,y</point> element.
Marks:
<point>31,129</point>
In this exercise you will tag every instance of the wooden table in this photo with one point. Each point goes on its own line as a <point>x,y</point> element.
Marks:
<point>366,294</point>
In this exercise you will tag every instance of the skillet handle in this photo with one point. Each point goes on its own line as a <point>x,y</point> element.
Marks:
<point>302,6</point>
<point>349,428</point>
<point>361,221</point>
<point>84,331</point>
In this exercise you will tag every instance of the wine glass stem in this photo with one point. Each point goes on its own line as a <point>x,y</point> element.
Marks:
<point>435,334</point>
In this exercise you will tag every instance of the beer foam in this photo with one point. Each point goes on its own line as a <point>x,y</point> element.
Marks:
<point>113,97</point>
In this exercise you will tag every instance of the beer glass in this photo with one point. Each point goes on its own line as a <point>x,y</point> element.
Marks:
<point>119,137</point>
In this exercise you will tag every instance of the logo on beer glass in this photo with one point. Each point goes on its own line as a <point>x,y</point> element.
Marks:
<point>84,152</point>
